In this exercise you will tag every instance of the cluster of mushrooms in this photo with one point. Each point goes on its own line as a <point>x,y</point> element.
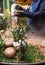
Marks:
<point>11,46</point>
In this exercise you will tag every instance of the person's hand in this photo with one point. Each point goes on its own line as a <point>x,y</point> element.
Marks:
<point>16,13</point>
<point>18,7</point>
<point>19,14</point>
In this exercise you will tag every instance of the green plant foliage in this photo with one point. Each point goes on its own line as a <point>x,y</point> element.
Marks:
<point>19,33</point>
<point>26,54</point>
<point>22,51</point>
<point>32,54</point>
<point>2,57</point>
<point>23,23</point>
<point>2,45</point>
<point>3,24</point>
<point>7,8</point>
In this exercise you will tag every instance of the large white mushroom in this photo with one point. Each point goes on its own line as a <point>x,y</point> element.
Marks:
<point>9,41</point>
<point>10,52</point>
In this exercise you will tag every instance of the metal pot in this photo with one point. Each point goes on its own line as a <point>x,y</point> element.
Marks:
<point>37,63</point>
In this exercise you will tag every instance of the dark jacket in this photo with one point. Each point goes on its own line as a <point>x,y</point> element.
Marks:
<point>36,12</point>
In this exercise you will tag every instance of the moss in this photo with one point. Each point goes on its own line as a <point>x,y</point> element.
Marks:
<point>32,55</point>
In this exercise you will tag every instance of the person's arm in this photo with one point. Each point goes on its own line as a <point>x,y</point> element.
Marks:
<point>40,13</point>
<point>31,15</point>
<point>18,7</point>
